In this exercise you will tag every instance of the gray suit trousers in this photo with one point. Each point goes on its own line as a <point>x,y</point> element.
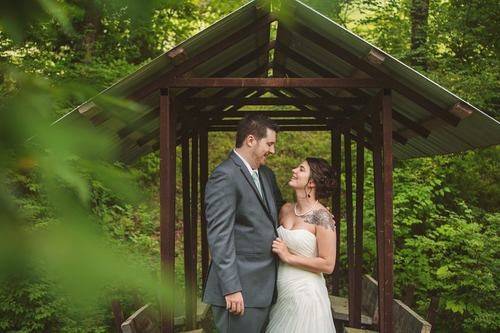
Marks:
<point>253,321</point>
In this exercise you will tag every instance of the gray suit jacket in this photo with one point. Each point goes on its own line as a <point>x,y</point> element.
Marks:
<point>241,227</point>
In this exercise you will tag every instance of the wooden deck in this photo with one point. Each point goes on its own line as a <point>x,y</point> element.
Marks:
<point>405,319</point>
<point>145,320</point>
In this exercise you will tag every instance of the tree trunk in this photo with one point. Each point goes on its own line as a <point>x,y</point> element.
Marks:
<point>91,28</point>
<point>409,295</point>
<point>419,14</point>
<point>432,311</point>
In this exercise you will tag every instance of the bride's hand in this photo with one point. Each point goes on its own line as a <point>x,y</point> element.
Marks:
<point>280,248</point>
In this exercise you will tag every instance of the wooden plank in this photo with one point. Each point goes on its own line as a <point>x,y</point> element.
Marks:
<point>342,101</point>
<point>201,314</point>
<point>141,321</point>
<point>357,330</point>
<point>340,310</point>
<point>167,208</point>
<point>387,210</point>
<point>373,71</point>
<point>240,82</point>
<point>369,299</point>
<point>408,321</point>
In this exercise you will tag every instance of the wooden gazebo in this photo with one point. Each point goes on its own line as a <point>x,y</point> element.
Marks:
<point>291,55</point>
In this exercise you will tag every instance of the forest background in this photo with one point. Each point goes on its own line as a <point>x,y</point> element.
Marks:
<point>77,231</point>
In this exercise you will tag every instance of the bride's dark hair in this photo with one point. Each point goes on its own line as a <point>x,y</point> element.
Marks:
<point>323,176</point>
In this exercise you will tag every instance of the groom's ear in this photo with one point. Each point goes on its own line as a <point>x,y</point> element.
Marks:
<point>250,140</point>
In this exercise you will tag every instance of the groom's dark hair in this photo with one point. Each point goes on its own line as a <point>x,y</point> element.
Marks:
<point>255,125</point>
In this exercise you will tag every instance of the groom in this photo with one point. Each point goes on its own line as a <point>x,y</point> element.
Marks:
<point>242,204</point>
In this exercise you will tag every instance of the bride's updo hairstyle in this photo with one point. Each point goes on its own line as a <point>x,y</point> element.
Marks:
<point>323,176</point>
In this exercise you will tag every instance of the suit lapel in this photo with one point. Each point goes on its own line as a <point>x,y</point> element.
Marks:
<point>250,181</point>
<point>268,194</point>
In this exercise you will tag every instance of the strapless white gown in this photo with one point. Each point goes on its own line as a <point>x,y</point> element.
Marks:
<point>303,304</point>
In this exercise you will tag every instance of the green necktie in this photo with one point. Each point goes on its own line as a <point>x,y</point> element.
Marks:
<point>255,176</point>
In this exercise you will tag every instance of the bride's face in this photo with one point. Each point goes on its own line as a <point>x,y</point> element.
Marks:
<point>300,175</point>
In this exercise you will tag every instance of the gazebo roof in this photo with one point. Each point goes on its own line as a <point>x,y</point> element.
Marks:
<point>427,119</point>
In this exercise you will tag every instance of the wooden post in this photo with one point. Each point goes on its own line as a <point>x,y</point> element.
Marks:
<point>382,167</point>
<point>336,200</point>
<point>117,314</point>
<point>387,209</point>
<point>167,209</point>
<point>358,253</point>
<point>349,223</point>
<point>194,209</point>
<point>378,186</point>
<point>190,315</point>
<point>203,181</point>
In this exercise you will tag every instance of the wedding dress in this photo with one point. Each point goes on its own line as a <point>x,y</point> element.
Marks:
<point>303,304</point>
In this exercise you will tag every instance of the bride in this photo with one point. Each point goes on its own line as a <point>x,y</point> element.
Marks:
<point>306,248</point>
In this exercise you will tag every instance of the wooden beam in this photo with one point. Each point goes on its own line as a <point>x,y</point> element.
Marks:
<point>203,56</point>
<point>270,113</point>
<point>151,115</point>
<point>341,101</point>
<point>284,128</point>
<point>304,108</point>
<point>167,209</point>
<point>228,71</point>
<point>307,63</point>
<point>376,72</point>
<point>399,117</point>
<point>234,82</point>
<point>154,134</point>
<point>280,122</point>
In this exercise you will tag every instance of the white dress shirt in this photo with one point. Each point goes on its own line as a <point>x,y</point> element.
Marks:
<point>250,170</point>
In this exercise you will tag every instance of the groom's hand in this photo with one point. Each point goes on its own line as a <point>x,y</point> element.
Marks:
<point>234,303</point>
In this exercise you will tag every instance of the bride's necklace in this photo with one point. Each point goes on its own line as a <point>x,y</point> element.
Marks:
<point>300,215</point>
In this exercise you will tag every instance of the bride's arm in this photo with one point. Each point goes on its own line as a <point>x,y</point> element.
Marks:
<point>325,261</point>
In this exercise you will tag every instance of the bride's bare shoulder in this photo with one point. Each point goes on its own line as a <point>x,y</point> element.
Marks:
<point>287,207</point>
